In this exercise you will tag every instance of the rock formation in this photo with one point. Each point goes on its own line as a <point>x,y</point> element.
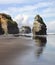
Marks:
<point>39,27</point>
<point>7,25</point>
<point>25,29</point>
<point>3,22</point>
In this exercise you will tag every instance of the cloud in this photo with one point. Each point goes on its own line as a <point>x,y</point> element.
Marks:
<point>32,10</point>
<point>48,12</point>
<point>22,20</point>
<point>51,26</point>
<point>18,1</point>
<point>24,15</point>
<point>11,1</point>
<point>22,1</point>
<point>31,7</point>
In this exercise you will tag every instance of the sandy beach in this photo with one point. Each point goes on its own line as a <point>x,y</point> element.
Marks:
<point>26,50</point>
<point>10,47</point>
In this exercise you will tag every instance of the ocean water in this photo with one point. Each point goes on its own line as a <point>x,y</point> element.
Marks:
<point>29,50</point>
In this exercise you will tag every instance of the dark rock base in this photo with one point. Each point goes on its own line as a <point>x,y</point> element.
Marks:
<point>41,32</point>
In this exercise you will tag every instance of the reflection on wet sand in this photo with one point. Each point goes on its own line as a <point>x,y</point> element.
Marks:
<point>40,44</point>
<point>26,52</point>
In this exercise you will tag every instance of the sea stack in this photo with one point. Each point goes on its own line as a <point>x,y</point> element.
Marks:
<point>7,25</point>
<point>25,29</point>
<point>39,27</point>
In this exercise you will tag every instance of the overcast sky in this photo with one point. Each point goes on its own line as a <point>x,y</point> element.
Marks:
<point>24,11</point>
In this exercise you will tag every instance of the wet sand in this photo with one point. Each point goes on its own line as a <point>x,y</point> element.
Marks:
<point>13,49</point>
<point>25,51</point>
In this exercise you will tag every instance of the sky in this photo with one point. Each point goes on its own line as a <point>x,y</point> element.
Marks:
<point>24,11</point>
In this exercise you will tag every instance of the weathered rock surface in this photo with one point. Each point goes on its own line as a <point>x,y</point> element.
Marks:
<point>7,25</point>
<point>39,27</point>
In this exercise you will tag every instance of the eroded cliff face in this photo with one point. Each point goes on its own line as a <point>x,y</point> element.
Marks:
<point>7,25</point>
<point>3,23</point>
<point>39,27</point>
